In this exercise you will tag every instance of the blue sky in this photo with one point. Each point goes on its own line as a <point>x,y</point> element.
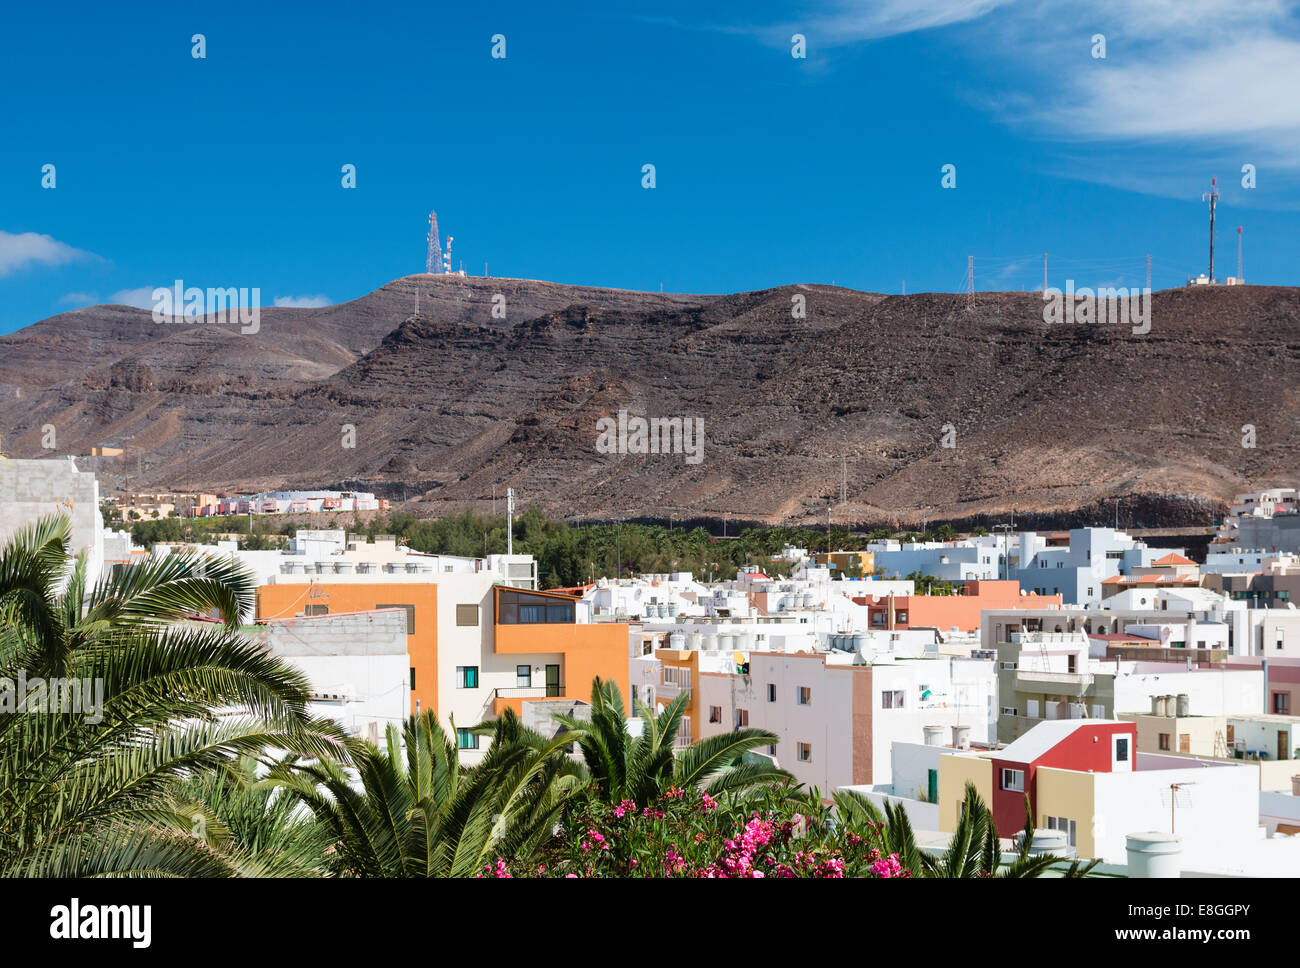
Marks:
<point>225,171</point>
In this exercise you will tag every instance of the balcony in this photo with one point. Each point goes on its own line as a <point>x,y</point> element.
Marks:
<point>553,690</point>
<point>514,697</point>
<point>1076,683</point>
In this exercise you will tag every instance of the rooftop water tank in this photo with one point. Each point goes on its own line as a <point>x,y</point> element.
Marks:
<point>961,737</point>
<point>1154,855</point>
<point>933,735</point>
<point>1184,704</point>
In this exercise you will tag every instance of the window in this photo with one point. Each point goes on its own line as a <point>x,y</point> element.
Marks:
<point>523,608</point>
<point>523,676</point>
<point>466,677</point>
<point>1280,638</point>
<point>684,678</point>
<point>410,616</point>
<point>771,749</point>
<point>715,714</point>
<point>891,699</point>
<point>1007,666</point>
<point>670,675</point>
<point>317,610</point>
<point>1031,708</point>
<point>466,614</point>
<point>1282,703</point>
<point>1010,711</point>
<point>1184,742</point>
<point>1013,780</point>
<point>771,692</point>
<point>1090,591</point>
<point>742,718</point>
<point>804,696</point>
<point>1065,824</point>
<point>412,678</point>
<point>1121,749</point>
<point>466,740</point>
<point>1164,741</point>
<point>805,753</point>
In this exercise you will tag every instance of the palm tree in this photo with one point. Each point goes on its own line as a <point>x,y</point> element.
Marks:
<point>623,767</point>
<point>425,816</point>
<point>253,825</point>
<point>144,698</point>
<point>973,850</point>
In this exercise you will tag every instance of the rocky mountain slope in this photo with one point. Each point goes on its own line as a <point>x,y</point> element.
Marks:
<point>454,403</point>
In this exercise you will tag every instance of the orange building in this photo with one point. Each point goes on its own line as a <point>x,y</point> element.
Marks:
<point>476,647</point>
<point>944,612</point>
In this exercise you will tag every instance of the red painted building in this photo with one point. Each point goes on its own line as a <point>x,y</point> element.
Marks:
<point>1085,745</point>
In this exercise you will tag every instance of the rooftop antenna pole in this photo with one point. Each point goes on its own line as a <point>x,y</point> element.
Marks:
<point>1212,196</point>
<point>970,283</point>
<point>510,520</point>
<point>1240,277</point>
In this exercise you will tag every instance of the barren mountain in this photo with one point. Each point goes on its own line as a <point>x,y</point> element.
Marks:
<point>453,403</point>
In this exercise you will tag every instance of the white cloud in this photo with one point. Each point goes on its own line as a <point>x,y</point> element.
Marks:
<point>26,249</point>
<point>302,302</point>
<point>141,298</point>
<point>851,21</point>
<point>79,299</point>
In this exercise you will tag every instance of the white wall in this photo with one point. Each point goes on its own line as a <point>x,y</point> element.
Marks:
<point>1211,692</point>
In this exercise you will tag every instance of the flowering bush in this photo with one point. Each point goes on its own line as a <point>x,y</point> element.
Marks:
<point>686,833</point>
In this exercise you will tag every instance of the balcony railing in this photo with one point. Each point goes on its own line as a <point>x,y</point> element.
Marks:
<point>1078,682</point>
<point>551,691</point>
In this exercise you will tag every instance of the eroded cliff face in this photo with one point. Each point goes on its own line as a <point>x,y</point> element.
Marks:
<point>453,402</point>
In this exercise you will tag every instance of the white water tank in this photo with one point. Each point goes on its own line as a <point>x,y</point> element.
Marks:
<point>1155,706</point>
<point>709,642</point>
<point>1048,841</point>
<point>677,640</point>
<point>1154,855</point>
<point>694,641</point>
<point>933,735</point>
<point>961,737</point>
<point>1184,704</point>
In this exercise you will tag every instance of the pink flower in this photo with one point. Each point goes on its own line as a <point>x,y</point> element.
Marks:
<point>708,803</point>
<point>889,867</point>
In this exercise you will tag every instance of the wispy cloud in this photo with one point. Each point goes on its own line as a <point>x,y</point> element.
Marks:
<point>26,249</point>
<point>79,299</point>
<point>1215,80</point>
<point>141,298</point>
<point>302,302</point>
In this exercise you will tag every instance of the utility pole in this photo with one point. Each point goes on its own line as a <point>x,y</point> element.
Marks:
<point>1212,196</point>
<point>510,520</point>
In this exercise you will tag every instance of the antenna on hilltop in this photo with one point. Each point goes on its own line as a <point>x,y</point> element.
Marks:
<point>970,283</point>
<point>432,262</point>
<point>1212,196</point>
<point>1240,278</point>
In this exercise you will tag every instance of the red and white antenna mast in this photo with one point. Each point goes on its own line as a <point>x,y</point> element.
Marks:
<point>446,257</point>
<point>433,261</point>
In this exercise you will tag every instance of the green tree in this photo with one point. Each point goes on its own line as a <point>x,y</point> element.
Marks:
<point>87,784</point>
<point>423,816</point>
<point>623,767</point>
